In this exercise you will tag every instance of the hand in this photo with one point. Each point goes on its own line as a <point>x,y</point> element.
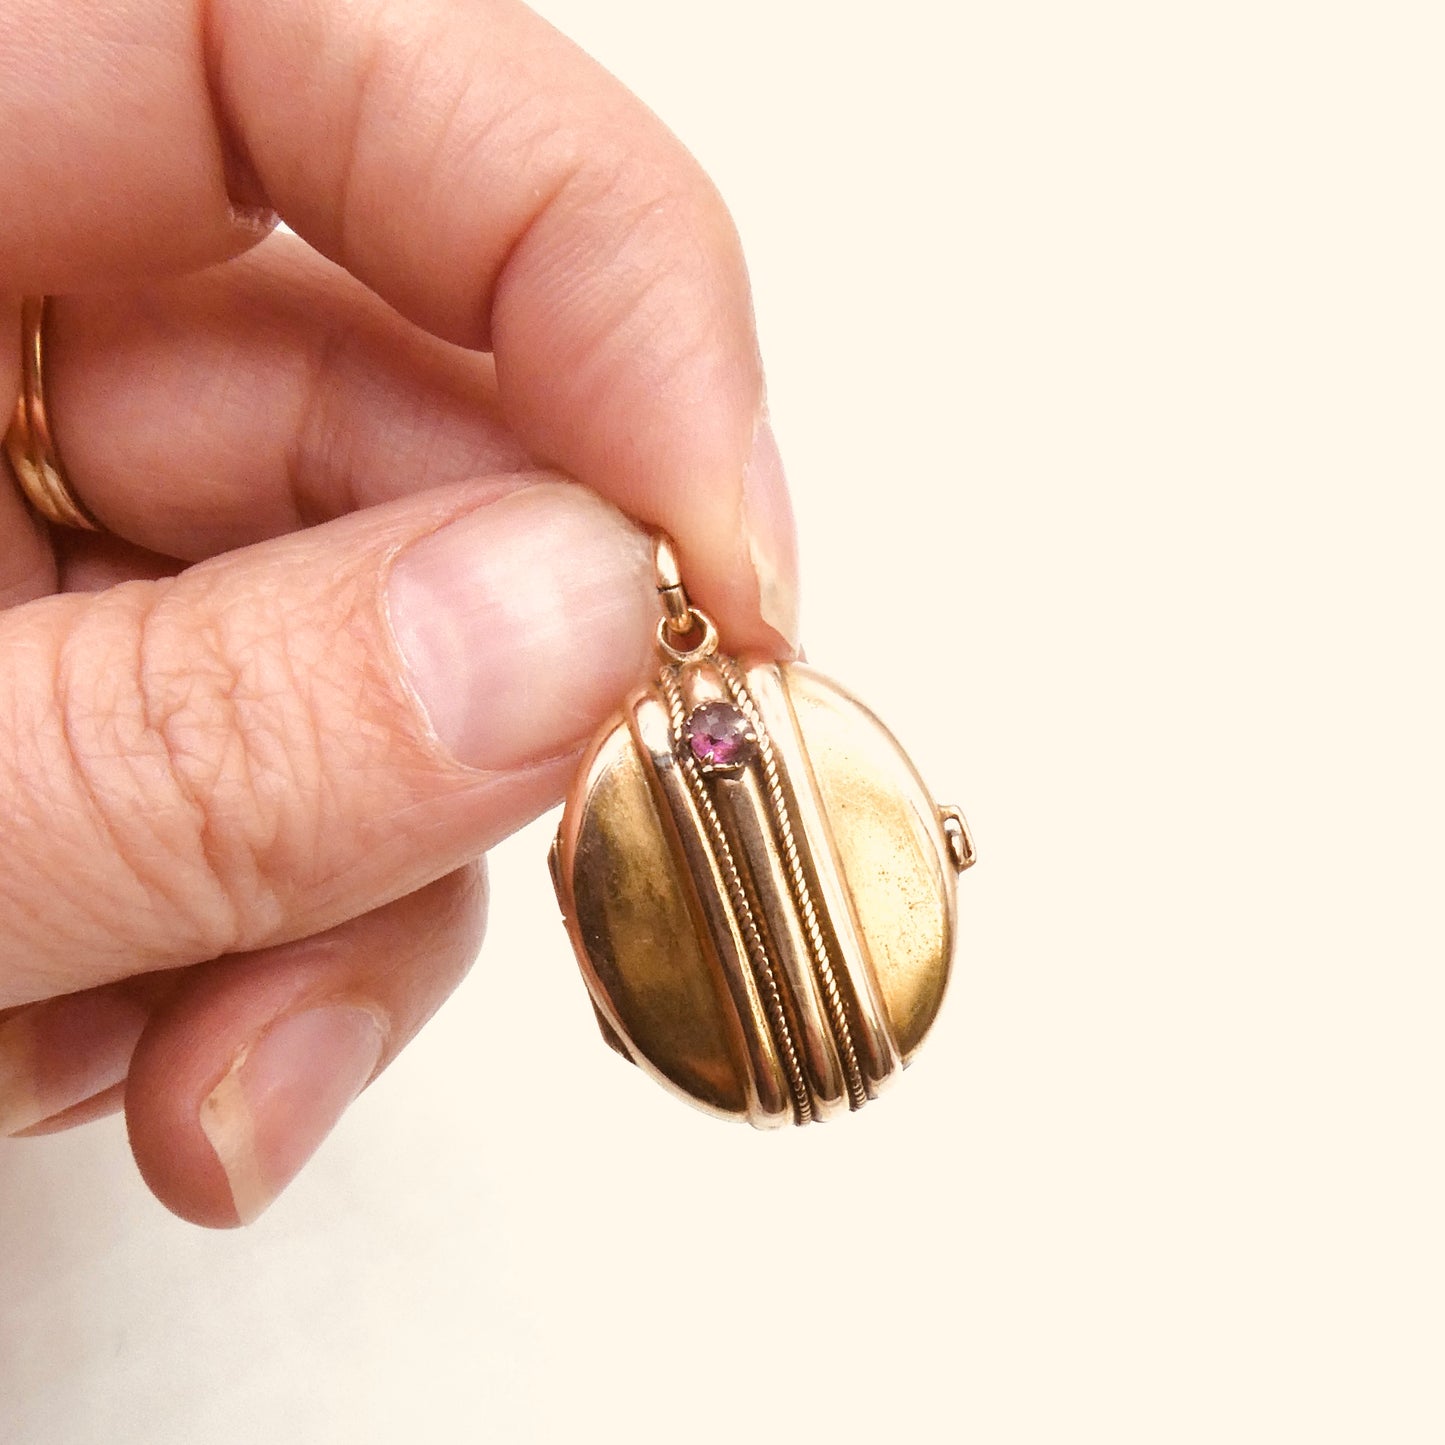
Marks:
<point>340,633</point>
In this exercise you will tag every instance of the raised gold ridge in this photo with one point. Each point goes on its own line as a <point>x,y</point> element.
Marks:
<point>772,876</point>
<point>738,899</point>
<point>798,884</point>
<point>879,1054</point>
<point>763,1072</point>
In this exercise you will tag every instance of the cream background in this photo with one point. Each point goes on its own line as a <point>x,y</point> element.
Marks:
<point>1107,346</point>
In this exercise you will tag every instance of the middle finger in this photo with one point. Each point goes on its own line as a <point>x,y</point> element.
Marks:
<point>258,396</point>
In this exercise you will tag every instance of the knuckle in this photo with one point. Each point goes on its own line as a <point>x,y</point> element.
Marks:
<point>146,740</point>
<point>654,200</point>
<point>668,280</point>
<point>189,746</point>
<point>320,462</point>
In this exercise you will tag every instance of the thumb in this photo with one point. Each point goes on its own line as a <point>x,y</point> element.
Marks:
<point>290,735</point>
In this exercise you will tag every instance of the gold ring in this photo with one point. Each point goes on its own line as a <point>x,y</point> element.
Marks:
<point>29,443</point>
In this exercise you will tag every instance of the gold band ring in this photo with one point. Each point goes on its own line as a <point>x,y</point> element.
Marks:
<point>29,443</point>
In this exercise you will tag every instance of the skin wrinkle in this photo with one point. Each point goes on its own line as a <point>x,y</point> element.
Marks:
<point>364,73</point>
<point>71,688</point>
<point>548,199</point>
<point>311,684</point>
<point>238,171</point>
<point>378,70</point>
<point>264,760</point>
<point>240,772</point>
<point>381,67</point>
<point>74,681</point>
<point>312,434</point>
<point>257,764</point>
<point>419,79</point>
<point>299,758</point>
<point>589,360</point>
<point>589,368</point>
<point>219,915</point>
<point>229,753</point>
<point>554,183</point>
<point>647,315</point>
<point>228,392</point>
<point>323,429</point>
<point>33,898</point>
<point>558,160</point>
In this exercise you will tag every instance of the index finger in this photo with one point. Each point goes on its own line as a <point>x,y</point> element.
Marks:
<point>471,166</point>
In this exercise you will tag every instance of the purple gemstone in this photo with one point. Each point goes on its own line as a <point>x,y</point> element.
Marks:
<point>719,736</point>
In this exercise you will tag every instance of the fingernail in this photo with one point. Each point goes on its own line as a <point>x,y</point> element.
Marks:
<point>58,1054</point>
<point>284,1094</point>
<point>257,221</point>
<point>524,623</point>
<point>772,538</point>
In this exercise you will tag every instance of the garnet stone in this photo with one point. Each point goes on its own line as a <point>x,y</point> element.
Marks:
<point>719,736</point>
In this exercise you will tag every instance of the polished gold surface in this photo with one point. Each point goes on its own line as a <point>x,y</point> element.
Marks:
<point>676,609</point>
<point>825,1080</point>
<point>767,1018</point>
<point>871,1029</point>
<point>29,443</point>
<point>785,858</point>
<point>894,859</point>
<point>743,937</point>
<point>651,968</point>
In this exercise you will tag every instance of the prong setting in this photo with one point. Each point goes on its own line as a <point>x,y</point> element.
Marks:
<point>720,738</point>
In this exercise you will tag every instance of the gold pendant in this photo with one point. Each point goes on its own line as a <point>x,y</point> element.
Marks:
<point>759,887</point>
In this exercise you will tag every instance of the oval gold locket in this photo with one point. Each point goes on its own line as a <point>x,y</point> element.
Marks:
<point>759,888</point>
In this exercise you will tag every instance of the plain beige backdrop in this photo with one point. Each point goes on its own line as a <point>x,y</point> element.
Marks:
<point>1107,347</point>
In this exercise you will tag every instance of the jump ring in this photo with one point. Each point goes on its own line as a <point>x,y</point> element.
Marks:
<point>706,646</point>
